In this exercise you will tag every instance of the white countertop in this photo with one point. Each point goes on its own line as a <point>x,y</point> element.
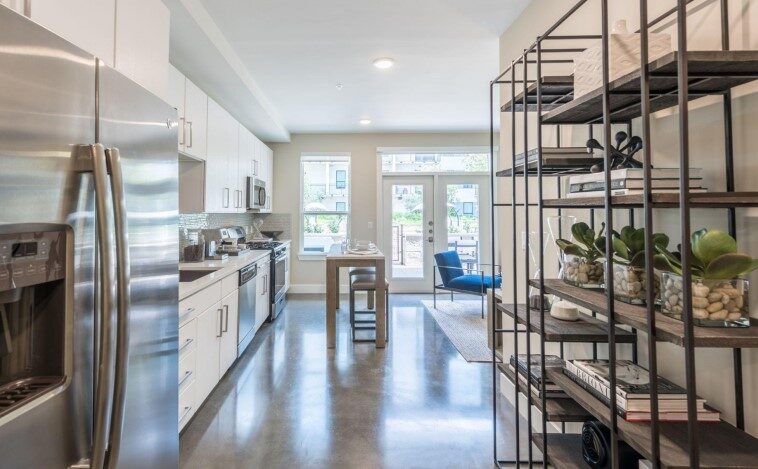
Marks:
<point>225,268</point>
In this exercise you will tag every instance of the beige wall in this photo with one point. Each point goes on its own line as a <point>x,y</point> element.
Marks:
<point>308,275</point>
<point>714,376</point>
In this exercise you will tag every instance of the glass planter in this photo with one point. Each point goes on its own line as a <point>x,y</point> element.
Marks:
<point>715,303</point>
<point>582,273</point>
<point>629,284</point>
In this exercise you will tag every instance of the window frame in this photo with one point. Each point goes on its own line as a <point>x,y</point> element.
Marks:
<point>311,157</point>
<point>337,180</point>
<point>465,204</point>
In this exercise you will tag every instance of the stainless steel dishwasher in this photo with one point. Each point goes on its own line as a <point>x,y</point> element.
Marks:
<point>247,298</point>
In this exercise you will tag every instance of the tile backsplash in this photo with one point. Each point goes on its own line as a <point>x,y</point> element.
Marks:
<point>202,221</point>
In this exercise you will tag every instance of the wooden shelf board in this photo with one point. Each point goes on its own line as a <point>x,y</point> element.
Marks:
<point>564,450</point>
<point>556,91</point>
<point>558,409</point>
<point>665,200</point>
<point>555,165</point>
<point>721,445</point>
<point>710,72</point>
<point>667,329</point>
<point>586,330</point>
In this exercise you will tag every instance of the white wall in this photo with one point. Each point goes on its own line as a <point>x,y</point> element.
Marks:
<point>309,275</point>
<point>714,377</point>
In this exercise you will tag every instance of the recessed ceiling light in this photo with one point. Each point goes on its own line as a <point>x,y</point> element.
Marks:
<point>365,121</point>
<point>384,62</point>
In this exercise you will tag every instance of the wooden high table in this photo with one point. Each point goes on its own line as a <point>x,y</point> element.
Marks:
<point>338,258</point>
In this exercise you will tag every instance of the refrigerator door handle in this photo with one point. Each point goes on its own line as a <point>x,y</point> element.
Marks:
<point>107,307</point>
<point>181,131</point>
<point>113,157</point>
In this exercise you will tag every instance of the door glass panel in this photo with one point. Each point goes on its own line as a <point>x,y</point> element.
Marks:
<point>463,223</point>
<point>407,231</point>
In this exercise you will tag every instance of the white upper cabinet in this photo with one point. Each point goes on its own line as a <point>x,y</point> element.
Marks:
<point>195,121</point>
<point>267,174</point>
<point>142,43</point>
<point>221,184</point>
<point>176,96</point>
<point>246,164</point>
<point>90,24</point>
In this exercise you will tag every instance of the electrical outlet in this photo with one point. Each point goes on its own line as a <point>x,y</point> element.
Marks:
<point>371,225</point>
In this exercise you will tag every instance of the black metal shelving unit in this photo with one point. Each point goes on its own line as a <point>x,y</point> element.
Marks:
<point>668,82</point>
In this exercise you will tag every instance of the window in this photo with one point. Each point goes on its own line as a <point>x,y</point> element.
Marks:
<point>425,160</point>
<point>325,201</point>
<point>468,208</point>
<point>340,179</point>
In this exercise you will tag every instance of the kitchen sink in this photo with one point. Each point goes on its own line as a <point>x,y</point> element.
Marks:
<point>192,275</point>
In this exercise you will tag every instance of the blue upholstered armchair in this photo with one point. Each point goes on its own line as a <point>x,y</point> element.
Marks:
<point>457,279</point>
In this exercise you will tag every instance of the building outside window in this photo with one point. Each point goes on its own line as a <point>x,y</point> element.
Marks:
<point>468,208</point>
<point>325,202</point>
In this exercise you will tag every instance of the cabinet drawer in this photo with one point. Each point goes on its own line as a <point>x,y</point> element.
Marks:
<point>230,283</point>
<point>187,404</point>
<point>187,337</point>
<point>199,302</point>
<point>187,369</point>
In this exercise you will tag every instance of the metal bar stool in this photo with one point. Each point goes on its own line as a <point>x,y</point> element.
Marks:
<point>367,283</point>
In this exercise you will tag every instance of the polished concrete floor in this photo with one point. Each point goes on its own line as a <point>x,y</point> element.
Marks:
<point>288,402</point>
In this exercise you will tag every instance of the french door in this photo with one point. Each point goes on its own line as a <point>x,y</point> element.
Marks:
<point>423,215</point>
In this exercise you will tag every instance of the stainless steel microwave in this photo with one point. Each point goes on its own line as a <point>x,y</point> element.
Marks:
<point>256,194</point>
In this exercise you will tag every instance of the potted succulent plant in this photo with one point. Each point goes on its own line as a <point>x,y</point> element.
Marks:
<point>719,294</point>
<point>629,262</point>
<point>581,260</point>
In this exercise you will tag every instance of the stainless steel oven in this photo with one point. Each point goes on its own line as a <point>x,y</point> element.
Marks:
<point>256,194</point>
<point>278,276</point>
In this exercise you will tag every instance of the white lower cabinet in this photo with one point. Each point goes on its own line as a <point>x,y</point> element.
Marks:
<point>262,303</point>
<point>228,339</point>
<point>209,326</point>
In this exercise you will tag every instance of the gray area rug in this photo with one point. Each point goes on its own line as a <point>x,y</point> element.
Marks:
<point>462,323</point>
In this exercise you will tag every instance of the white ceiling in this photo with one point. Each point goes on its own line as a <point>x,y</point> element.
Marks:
<point>295,52</point>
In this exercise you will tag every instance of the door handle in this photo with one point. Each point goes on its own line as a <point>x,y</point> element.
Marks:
<point>189,123</point>
<point>182,132</point>
<point>106,306</point>
<point>123,277</point>
<point>220,322</point>
<point>226,319</point>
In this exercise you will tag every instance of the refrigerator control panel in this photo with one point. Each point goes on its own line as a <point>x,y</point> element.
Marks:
<point>31,258</point>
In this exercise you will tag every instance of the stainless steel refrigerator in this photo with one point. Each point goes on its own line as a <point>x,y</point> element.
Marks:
<point>88,260</point>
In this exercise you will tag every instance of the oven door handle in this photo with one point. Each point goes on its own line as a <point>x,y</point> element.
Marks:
<point>106,308</point>
<point>113,158</point>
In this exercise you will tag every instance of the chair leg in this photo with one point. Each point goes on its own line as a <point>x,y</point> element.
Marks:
<point>434,294</point>
<point>451,296</point>
<point>482,306</point>
<point>387,314</point>
<point>352,314</point>
<point>370,299</point>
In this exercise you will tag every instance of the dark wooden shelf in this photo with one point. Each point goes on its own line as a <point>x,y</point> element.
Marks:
<point>667,329</point>
<point>721,445</point>
<point>555,165</point>
<point>710,72</point>
<point>557,409</point>
<point>556,91</point>
<point>666,200</point>
<point>587,329</point>
<point>564,450</point>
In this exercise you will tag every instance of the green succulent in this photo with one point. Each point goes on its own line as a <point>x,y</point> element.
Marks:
<point>714,256</point>
<point>629,245</point>
<point>586,242</point>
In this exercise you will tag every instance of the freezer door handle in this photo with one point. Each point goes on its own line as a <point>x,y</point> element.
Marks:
<point>107,309</point>
<point>123,277</point>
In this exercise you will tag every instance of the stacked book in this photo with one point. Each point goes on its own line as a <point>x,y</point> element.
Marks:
<point>518,368</point>
<point>633,391</point>
<point>629,181</point>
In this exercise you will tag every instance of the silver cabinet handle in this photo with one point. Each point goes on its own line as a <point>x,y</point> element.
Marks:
<point>189,123</point>
<point>113,157</point>
<point>185,344</point>
<point>107,308</point>
<point>240,197</point>
<point>220,322</point>
<point>185,412</point>
<point>227,195</point>
<point>186,313</point>
<point>186,376</point>
<point>181,132</point>
<point>226,319</point>
<point>28,8</point>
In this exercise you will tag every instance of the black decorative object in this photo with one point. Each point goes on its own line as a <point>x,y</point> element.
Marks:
<point>619,159</point>
<point>596,444</point>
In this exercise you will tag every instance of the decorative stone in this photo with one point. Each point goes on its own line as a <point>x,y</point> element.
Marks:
<point>715,303</point>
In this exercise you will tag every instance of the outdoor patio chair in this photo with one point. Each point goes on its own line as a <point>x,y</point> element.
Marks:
<point>457,279</point>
